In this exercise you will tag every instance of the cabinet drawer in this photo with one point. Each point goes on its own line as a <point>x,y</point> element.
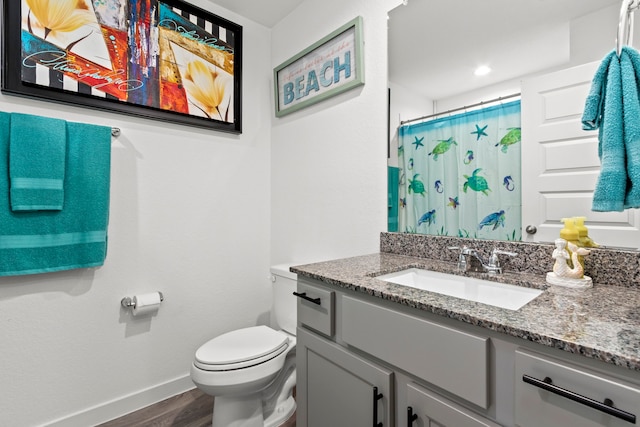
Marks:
<point>315,308</point>
<point>549,403</point>
<point>453,360</point>
<point>432,409</point>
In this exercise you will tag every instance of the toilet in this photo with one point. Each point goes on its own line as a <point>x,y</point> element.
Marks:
<point>251,372</point>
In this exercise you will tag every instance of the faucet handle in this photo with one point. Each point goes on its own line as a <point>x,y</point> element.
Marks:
<point>462,261</point>
<point>466,250</point>
<point>501,252</point>
<point>494,261</point>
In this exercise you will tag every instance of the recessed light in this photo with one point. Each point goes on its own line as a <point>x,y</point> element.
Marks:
<point>483,70</point>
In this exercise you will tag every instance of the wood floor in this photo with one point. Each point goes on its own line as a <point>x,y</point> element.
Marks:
<point>189,409</point>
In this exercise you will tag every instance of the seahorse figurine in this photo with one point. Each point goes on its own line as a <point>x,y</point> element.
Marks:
<point>577,272</point>
<point>563,274</point>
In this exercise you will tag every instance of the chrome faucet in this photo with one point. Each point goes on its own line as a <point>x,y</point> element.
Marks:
<point>470,260</point>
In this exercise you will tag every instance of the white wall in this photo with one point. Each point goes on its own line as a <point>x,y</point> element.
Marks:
<point>190,216</point>
<point>405,105</point>
<point>328,161</point>
<point>594,35</point>
<point>200,216</point>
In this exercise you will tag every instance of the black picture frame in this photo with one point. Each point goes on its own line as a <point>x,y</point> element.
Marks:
<point>144,60</point>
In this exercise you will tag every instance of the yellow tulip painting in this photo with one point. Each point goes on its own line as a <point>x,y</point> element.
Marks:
<point>148,57</point>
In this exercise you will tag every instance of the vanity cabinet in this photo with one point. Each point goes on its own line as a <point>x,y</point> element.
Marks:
<point>359,355</point>
<point>338,388</point>
<point>378,362</point>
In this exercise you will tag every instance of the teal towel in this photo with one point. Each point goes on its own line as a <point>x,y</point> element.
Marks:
<point>37,152</point>
<point>76,237</point>
<point>592,116</point>
<point>613,108</point>
<point>611,184</point>
<point>393,180</point>
<point>630,76</point>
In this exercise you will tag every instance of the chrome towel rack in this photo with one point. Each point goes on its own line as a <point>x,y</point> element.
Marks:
<point>625,25</point>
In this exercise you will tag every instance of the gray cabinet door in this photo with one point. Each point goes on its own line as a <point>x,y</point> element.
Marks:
<point>336,387</point>
<point>433,410</point>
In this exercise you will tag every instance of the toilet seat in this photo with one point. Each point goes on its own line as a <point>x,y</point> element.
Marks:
<point>241,348</point>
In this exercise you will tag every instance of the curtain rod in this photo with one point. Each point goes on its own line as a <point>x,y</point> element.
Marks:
<point>500,98</point>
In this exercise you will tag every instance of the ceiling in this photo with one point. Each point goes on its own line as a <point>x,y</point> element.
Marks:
<point>435,45</point>
<point>265,12</point>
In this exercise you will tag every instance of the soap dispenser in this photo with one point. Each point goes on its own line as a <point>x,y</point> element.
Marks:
<point>583,233</point>
<point>570,232</point>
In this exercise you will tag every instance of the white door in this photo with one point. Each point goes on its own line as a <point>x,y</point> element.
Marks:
<point>560,164</point>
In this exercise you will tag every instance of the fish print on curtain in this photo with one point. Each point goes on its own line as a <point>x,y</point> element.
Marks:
<point>460,175</point>
<point>145,52</point>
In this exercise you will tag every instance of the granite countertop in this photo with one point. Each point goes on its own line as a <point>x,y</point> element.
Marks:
<point>600,323</point>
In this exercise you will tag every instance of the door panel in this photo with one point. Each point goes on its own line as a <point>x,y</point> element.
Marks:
<point>560,164</point>
<point>337,387</point>
<point>432,410</point>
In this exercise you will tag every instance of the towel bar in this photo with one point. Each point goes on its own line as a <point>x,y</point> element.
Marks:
<point>625,24</point>
<point>115,132</point>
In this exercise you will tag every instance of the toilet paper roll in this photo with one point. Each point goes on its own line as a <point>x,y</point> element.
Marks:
<point>146,303</point>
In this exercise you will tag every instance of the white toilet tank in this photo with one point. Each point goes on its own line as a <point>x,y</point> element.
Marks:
<point>284,303</point>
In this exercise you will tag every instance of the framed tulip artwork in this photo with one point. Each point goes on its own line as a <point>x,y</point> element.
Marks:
<point>158,59</point>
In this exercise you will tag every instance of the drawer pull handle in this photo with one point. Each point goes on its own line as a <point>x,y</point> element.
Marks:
<point>411,417</point>
<point>376,396</point>
<point>606,407</point>
<point>304,296</point>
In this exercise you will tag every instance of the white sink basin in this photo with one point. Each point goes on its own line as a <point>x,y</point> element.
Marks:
<point>497,294</point>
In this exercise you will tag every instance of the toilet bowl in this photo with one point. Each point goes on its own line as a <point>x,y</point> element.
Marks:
<point>251,371</point>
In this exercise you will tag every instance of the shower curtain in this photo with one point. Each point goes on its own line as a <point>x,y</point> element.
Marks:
<point>460,175</point>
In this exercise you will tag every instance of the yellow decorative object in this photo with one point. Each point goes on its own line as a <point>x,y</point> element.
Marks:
<point>583,233</point>
<point>569,232</point>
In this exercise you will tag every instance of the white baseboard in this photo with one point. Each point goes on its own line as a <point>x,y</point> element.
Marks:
<point>124,405</point>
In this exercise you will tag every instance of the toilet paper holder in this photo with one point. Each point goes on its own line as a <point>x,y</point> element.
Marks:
<point>127,302</point>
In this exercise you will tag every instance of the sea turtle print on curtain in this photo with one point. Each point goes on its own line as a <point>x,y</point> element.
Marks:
<point>460,175</point>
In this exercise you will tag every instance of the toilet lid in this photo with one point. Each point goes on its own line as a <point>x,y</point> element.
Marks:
<point>242,345</point>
